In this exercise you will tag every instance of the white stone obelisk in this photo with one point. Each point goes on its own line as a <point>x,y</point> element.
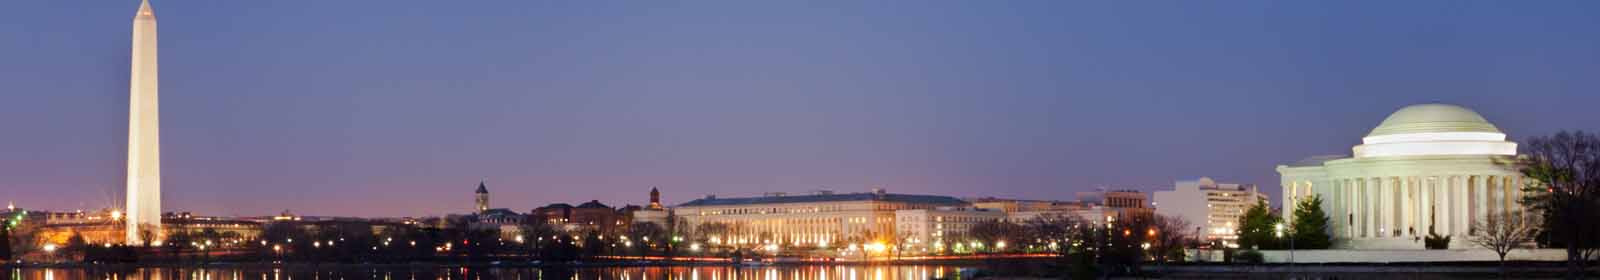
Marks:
<point>144,134</point>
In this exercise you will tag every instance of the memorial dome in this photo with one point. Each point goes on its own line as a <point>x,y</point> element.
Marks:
<point>1434,129</point>
<point>1429,118</point>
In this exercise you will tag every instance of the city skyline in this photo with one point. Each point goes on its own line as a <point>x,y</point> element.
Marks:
<point>551,106</point>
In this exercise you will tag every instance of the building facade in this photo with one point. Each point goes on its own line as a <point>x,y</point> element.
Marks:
<point>1214,208</point>
<point>1429,167</point>
<point>821,220</point>
<point>654,212</point>
<point>508,223</point>
<point>930,230</point>
<point>1018,205</point>
<point>481,198</point>
<point>591,216</point>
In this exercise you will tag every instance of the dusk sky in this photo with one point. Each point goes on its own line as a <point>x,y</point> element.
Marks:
<point>399,107</point>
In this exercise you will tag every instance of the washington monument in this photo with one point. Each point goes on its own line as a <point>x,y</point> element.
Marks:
<point>144,134</point>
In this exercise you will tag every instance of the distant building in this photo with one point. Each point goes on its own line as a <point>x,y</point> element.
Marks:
<point>106,226</point>
<point>822,219</point>
<point>655,199</point>
<point>1211,207</point>
<point>508,223</point>
<point>1017,205</point>
<point>654,212</point>
<point>481,198</point>
<point>931,230</point>
<point>1128,199</point>
<point>591,216</point>
<point>1094,207</point>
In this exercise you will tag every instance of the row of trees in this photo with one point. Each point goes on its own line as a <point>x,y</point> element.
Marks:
<point>1260,228</point>
<point>1088,249</point>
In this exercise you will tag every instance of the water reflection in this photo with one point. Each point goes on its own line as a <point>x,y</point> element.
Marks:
<point>481,273</point>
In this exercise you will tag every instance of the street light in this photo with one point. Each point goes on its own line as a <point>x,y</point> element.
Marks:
<point>50,251</point>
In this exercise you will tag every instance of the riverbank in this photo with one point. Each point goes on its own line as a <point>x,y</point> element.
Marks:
<point>509,264</point>
<point>1454,270</point>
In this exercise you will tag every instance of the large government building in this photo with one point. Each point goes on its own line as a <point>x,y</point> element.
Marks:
<point>822,219</point>
<point>1427,167</point>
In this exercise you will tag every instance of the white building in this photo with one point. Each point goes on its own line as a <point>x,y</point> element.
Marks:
<point>928,230</point>
<point>654,212</point>
<point>1430,166</point>
<point>1211,207</point>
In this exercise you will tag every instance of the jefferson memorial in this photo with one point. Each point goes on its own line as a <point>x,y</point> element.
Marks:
<point>1427,167</point>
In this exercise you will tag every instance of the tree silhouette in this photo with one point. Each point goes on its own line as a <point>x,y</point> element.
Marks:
<point>1565,168</point>
<point>1310,225</point>
<point>1256,227</point>
<point>1501,233</point>
<point>5,242</point>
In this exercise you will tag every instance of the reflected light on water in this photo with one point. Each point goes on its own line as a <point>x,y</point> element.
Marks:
<point>332,272</point>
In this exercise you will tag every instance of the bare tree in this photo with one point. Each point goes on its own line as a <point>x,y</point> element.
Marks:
<point>991,235</point>
<point>1167,236</point>
<point>1565,169</point>
<point>1057,231</point>
<point>1502,233</point>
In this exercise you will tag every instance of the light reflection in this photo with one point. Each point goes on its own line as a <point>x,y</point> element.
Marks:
<point>813,272</point>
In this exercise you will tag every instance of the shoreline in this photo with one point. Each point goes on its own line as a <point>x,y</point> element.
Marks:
<point>1182,267</point>
<point>481,264</point>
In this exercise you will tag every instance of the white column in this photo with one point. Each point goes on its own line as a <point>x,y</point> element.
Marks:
<point>1516,189</point>
<point>1406,199</point>
<point>1429,216</point>
<point>1461,211</point>
<point>1369,205</point>
<point>1350,208</point>
<point>1369,201</point>
<point>1335,209</point>
<point>1396,214</point>
<point>1507,194</point>
<point>1386,188</point>
<point>1492,184</point>
<point>1446,203</point>
<point>1419,209</point>
<point>1480,198</point>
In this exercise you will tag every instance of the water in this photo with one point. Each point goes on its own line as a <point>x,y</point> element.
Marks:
<point>840,272</point>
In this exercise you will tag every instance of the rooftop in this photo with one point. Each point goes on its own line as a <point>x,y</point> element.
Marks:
<point>1433,118</point>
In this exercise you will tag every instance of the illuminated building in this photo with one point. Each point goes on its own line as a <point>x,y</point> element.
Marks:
<point>926,230</point>
<point>1426,167</point>
<point>654,212</point>
<point>591,216</point>
<point>822,219</point>
<point>1213,207</point>
<point>481,198</point>
<point>1092,207</point>
<point>507,222</point>
<point>1017,205</point>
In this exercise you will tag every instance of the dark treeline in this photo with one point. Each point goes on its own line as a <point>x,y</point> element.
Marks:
<point>356,242</point>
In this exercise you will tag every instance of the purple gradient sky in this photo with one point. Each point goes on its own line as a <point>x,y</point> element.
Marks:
<point>395,108</point>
